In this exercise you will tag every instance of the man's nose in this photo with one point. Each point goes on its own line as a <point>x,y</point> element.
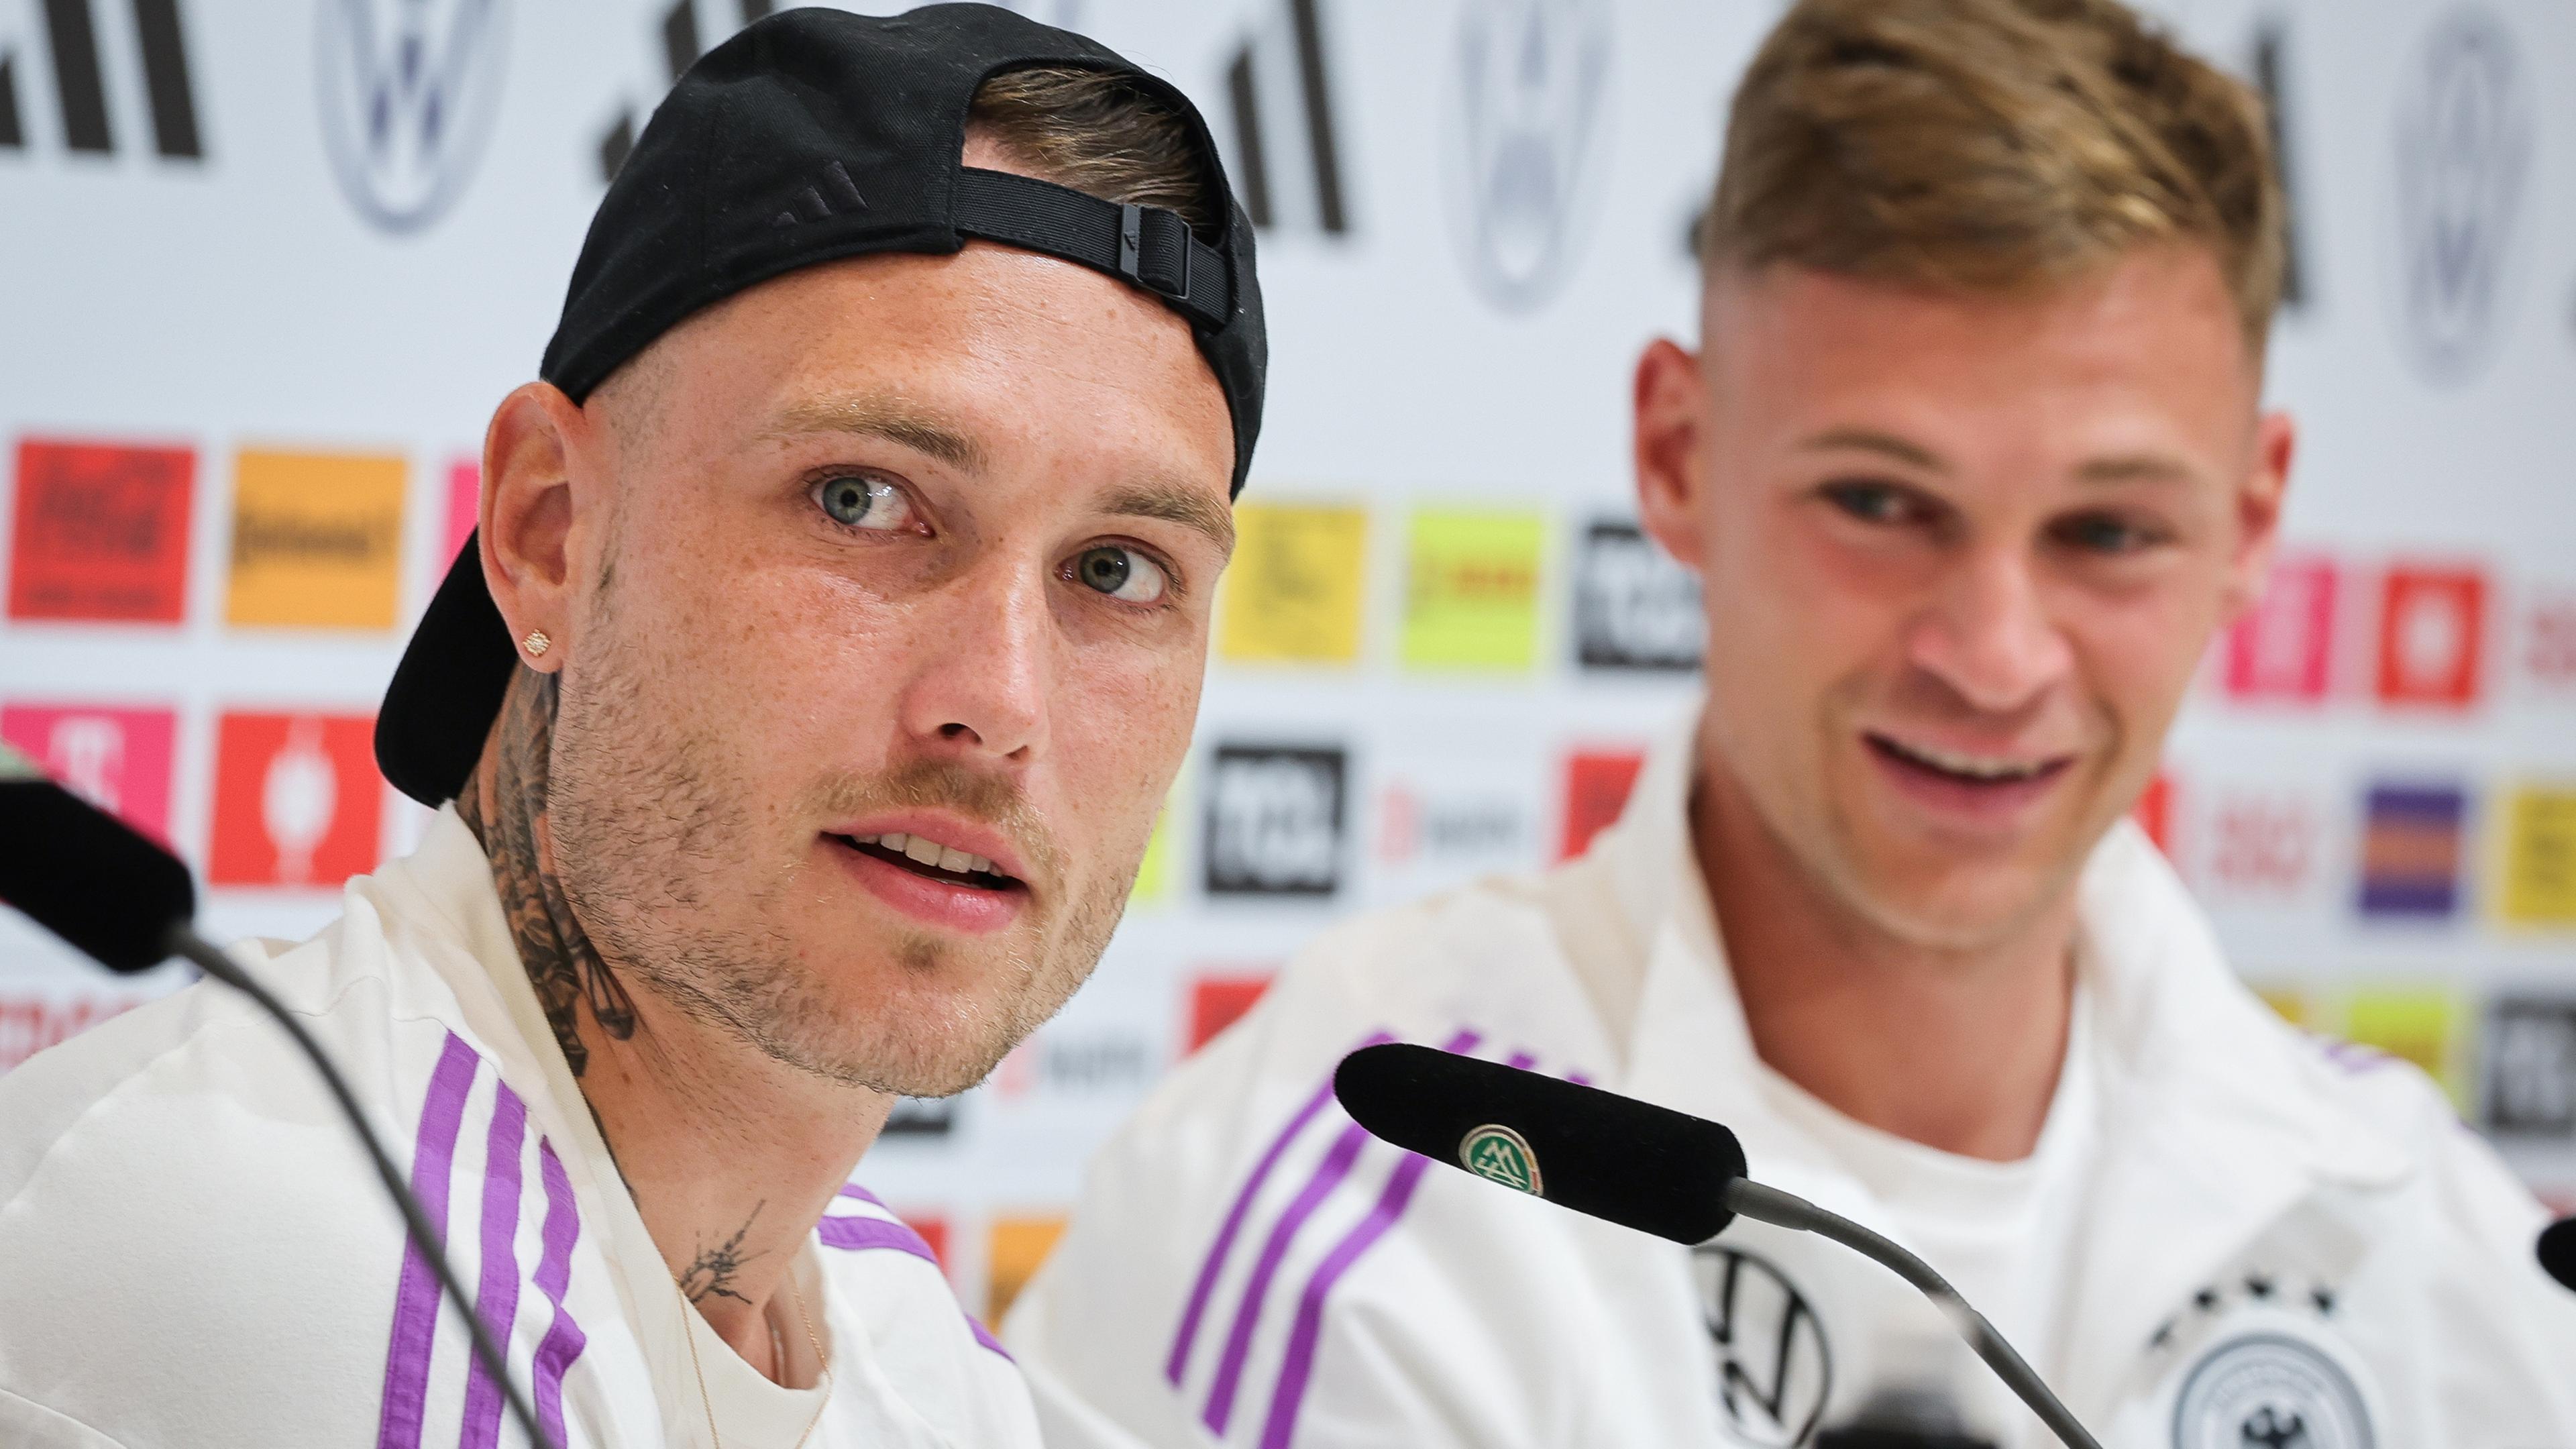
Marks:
<point>979,685</point>
<point>1987,633</point>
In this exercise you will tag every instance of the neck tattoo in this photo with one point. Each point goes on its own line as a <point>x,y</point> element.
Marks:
<point>561,963</point>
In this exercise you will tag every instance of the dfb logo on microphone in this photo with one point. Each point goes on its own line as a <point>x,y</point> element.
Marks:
<point>1774,1369</point>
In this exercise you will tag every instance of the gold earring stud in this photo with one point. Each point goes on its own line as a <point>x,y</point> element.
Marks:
<point>536,643</point>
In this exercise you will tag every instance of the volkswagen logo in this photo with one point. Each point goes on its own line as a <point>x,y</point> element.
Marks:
<point>1528,125</point>
<point>407,90</point>
<point>1774,1369</point>
<point>2464,142</point>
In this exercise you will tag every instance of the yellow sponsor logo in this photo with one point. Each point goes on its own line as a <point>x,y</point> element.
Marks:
<point>1013,1254</point>
<point>1471,589</point>
<point>1293,593</point>
<point>2540,857</point>
<point>2419,1024</point>
<point>317,540</point>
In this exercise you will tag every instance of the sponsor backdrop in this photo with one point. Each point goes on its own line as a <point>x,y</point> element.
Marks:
<point>268,267</point>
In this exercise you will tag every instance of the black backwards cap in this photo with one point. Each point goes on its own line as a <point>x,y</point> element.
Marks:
<point>813,135</point>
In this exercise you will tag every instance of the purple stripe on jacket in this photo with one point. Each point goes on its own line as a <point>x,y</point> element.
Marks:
<point>496,1297</point>
<point>1247,1315</point>
<point>415,1324</point>
<point>564,1340</point>
<point>1297,1366</point>
<point>859,1234</point>
<point>1209,1270</point>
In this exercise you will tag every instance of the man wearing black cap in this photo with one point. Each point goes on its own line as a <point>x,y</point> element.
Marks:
<point>834,628</point>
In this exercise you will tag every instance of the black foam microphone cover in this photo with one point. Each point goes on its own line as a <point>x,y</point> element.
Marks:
<point>1598,1153</point>
<point>87,876</point>
<point>2558,1251</point>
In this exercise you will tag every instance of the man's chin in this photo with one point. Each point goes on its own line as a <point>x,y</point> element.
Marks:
<point>1955,908</point>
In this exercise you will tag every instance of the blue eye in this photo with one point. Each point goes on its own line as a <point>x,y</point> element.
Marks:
<point>1871,502</point>
<point>873,504</point>
<point>1121,573</point>
<point>2103,533</point>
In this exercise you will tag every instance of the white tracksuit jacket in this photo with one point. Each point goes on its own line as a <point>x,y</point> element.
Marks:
<point>2254,1239</point>
<point>195,1254</point>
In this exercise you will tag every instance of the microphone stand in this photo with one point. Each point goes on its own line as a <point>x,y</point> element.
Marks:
<point>184,941</point>
<point>1751,1199</point>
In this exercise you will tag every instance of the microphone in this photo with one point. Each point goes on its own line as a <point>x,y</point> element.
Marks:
<point>1632,1163</point>
<point>125,902</point>
<point>2557,1249</point>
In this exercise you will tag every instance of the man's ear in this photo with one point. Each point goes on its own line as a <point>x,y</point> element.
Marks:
<point>533,500</point>
<point>1672,418</point>
<point>2258,512</point>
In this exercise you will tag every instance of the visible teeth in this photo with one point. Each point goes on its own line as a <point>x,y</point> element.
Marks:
<point>1971,766</point>
<point>953,859</point>
<point>978,865</point>
<point>892,840</point>
<point>925,851</point>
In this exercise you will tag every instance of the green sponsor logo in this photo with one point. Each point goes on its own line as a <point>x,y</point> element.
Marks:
<point>1498,1154</point>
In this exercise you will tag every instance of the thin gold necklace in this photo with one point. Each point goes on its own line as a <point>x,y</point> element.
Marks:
<point>706,1402</point>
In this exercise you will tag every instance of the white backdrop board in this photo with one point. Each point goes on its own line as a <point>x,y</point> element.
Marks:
<point>258,308</point>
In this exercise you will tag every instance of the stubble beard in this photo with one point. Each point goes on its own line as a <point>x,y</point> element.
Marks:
<point>646,817</point>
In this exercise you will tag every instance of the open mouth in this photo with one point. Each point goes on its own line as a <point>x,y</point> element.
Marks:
<point>929,859</point>
<point>1971,770</point>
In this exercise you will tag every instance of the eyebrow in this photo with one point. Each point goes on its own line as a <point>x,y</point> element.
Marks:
<point>894,421</point>
<point>1869,441</point>
<point>2136,468</point>
<point>2118,468</point>
<point>1189,507</point>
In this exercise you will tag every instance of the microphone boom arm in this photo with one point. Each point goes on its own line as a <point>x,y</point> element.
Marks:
<point>1751,1199</point>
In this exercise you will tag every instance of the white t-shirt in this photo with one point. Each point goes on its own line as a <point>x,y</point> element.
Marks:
<point>2003,1233</point>
<point>193,1251</point>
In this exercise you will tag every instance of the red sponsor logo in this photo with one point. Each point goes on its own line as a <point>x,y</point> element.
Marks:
<point>2262,844</point>
<point>2283,647</point>
<point>2549,644</point>
<point>117,759</point>
<point>101,532</point>
<point>2432,623</point>
<point>934,1231</point>
<point>2154,811</point>
<point>28,1025</point>
<point>1597,783</point>
<point>298,801</point>
<point>1219,999</point>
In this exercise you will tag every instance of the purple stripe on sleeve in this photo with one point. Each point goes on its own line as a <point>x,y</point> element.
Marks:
<point>564,1340</point>
<point>858,1234</point>
<point>1298,1364</point>
<point>1521,1061</point>
<point>496,1298</point>
<point>1247,1314</point>
<point>415,1326</point>
<point>853,1190</point>
<point>1225,1235</point>
<point>862,1233</point>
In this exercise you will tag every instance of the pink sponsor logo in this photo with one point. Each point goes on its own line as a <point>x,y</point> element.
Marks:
<point>464,499</point>
<point>117,759</point>
<point>2283,647</point>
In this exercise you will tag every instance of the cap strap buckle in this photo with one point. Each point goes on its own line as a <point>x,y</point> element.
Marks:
<point>1147,246</point>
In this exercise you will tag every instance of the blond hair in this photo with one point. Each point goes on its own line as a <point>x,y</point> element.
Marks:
<point>1992,145</point>
<point>1101,133</point>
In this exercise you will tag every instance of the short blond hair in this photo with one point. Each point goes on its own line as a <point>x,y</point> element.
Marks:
<point>1992,145</point>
